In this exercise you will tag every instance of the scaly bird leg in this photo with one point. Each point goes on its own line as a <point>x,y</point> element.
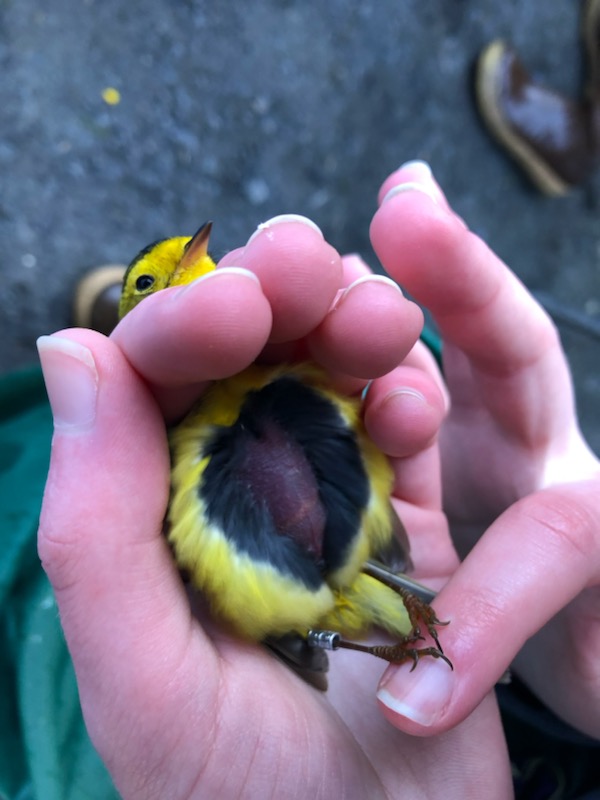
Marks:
<point>417,607</point>
<point>394,653</point>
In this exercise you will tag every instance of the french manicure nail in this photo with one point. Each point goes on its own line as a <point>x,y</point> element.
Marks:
<point>281,218</point>
<point>217,273</point>
<point>422,695</point>
<point>71,381</point>
<point>411,186</point>
<point>372,279</point>
<point>381,279</point>
<point>414,397</point>
<point>418,167</point>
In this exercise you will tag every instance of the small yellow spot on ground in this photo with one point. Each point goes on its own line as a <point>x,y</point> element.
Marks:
<point>111,96</point>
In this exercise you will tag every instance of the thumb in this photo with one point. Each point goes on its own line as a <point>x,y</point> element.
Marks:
<point>123,608</point>
<point>539,555</point>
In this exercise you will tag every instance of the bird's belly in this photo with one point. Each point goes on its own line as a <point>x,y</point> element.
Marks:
<point>272,509</point>
<point>253,596</point>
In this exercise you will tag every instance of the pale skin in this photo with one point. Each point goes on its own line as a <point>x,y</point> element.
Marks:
<point>179,709</point>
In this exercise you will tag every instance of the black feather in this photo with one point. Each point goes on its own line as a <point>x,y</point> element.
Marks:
<point>289,445</point>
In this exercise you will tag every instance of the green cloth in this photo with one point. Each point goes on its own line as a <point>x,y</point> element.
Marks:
<point>45,752</point>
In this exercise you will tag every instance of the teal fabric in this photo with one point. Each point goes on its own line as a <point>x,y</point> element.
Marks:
<point>45,753</point>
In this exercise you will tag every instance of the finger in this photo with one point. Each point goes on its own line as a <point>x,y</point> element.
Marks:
<point>180,338</point>
<point>209,329</point>
<point>231,259</point>
<point>404,411</point>
<point>298,271</point>
<point>539,555</point>
<point>473,298</point>
<point>369,329</point>
<point>421,358</point>
<point>100,538</point>
<point>354,268</point>
<point>414,175</point>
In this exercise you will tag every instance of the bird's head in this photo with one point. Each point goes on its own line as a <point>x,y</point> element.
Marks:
<point>168,262</point>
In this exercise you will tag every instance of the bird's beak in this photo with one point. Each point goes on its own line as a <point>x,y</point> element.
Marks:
<point>196,251</point>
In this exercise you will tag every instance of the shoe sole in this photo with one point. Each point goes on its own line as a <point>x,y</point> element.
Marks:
<point>90,287</point>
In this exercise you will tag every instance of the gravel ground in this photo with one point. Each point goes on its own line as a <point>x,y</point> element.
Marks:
<point>240,114</point>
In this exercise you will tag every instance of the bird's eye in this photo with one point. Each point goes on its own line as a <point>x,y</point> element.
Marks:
<point>144,282</point>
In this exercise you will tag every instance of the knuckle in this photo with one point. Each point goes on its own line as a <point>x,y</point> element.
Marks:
<point>570,526</point>
<point>59,550</point>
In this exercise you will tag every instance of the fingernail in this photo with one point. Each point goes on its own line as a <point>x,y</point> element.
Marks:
<point>373,279</point>
<point>356,261</point>
<point>355,267</point>
<point>217,273</point>
<point>71,382</point>
<point>412,186</point>
<point>282,218</point>
<point>422,695</point>
<point>402,396</point>
<point>418,167</point>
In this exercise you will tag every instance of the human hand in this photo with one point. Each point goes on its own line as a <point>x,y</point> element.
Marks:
<point>175,706</point>
<point>521,487</point>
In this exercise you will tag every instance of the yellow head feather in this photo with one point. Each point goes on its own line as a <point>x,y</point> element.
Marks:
<point>169,262</point>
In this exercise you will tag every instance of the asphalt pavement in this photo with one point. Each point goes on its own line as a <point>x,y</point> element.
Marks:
<point>239,111</point>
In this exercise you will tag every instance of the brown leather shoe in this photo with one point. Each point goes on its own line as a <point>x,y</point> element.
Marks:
<point>96,300</point>
<point>548,134</point>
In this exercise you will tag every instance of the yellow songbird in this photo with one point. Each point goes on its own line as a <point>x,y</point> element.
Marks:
<point>280,507</point>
